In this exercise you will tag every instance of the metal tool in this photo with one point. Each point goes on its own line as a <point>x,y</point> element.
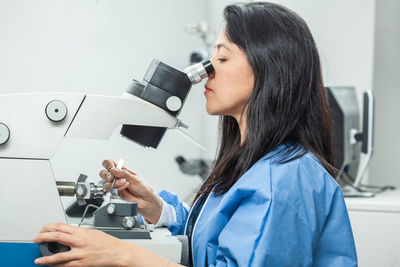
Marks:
<point>119,166</point>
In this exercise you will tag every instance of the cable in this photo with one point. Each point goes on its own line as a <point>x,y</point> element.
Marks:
<point>349,180</point>
<point>86,209</point>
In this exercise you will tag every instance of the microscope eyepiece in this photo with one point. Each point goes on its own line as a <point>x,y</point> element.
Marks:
<point>199,71</point>
<point>208,66</point>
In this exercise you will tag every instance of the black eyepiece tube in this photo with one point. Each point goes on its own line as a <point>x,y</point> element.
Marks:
<point>208,66</point>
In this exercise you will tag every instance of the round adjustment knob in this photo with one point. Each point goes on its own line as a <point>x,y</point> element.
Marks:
<point>56,110</point>
<point>128,222</point>
<point>111,209</point>
<point>81,191</point>
<point>4,133</point>
<point>174,103</point>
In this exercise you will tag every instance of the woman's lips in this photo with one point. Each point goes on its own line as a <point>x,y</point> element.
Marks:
<point>207,90</point>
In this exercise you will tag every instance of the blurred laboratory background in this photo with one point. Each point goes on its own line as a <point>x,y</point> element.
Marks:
<point>98,46</point>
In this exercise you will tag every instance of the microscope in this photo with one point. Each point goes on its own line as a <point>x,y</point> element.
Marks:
<point>32,127</point>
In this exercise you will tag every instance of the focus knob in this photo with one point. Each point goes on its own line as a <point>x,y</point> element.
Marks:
<point>111,209</point>
<point>56,110</point>
<point>174,103</point>
<point>4,133</point>
<point>128,222</point>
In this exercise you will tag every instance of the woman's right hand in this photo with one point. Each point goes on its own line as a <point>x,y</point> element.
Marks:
<point>131,187</point>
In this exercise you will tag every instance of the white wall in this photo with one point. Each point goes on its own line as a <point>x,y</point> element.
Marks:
<point>385,167</point>
<point>343,31</point>
<point>97,47</point>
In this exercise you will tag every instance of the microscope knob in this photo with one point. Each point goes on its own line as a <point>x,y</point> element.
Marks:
<point>111,209</point>
<point>81,191</point>
<point>56,110</point>
<point>128,222</point>
<point>4,133</point>
<point>174,103</point>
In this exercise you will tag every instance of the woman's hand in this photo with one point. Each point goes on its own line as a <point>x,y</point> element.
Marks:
<point>131,187</point>
<point>88,247</point>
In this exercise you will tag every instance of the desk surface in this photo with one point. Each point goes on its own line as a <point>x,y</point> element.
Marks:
<point>388,201</point>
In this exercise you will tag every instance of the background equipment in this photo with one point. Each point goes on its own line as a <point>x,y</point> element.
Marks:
<point>352,144</point>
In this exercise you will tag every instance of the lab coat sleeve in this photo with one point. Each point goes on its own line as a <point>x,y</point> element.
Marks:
<point>264,232</point>
<point>181,212</point>
<point>167,217</point>
<point>336,245</point>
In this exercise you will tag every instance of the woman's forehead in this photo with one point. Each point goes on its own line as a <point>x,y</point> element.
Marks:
<point>224,42</point>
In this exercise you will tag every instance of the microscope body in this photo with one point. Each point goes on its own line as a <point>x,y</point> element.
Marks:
<point>28,187</point>
<point>32,126</point>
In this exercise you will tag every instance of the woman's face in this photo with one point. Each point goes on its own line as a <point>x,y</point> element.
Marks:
<point>230,86</point>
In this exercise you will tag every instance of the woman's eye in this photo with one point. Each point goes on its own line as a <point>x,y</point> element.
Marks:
<point>221,59</point>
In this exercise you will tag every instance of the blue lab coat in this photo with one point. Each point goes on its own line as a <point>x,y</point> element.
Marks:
<point>290,214</point>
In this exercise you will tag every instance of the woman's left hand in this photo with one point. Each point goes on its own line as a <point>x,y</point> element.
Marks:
<point>88,247</point>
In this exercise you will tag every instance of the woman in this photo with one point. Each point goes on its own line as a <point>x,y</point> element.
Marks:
<point>270,199</point>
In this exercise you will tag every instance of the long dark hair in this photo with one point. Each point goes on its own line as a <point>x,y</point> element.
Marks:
<point>288,103</point>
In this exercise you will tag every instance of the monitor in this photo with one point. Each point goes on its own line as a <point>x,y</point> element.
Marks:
<point>366,137</point>
<point>345,118</point>
<point>350,141</point>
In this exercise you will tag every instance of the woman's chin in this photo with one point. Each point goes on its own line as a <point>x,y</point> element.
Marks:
<point>212,111</point>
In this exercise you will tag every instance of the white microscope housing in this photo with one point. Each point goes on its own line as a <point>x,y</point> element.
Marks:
<point>32,127</point>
